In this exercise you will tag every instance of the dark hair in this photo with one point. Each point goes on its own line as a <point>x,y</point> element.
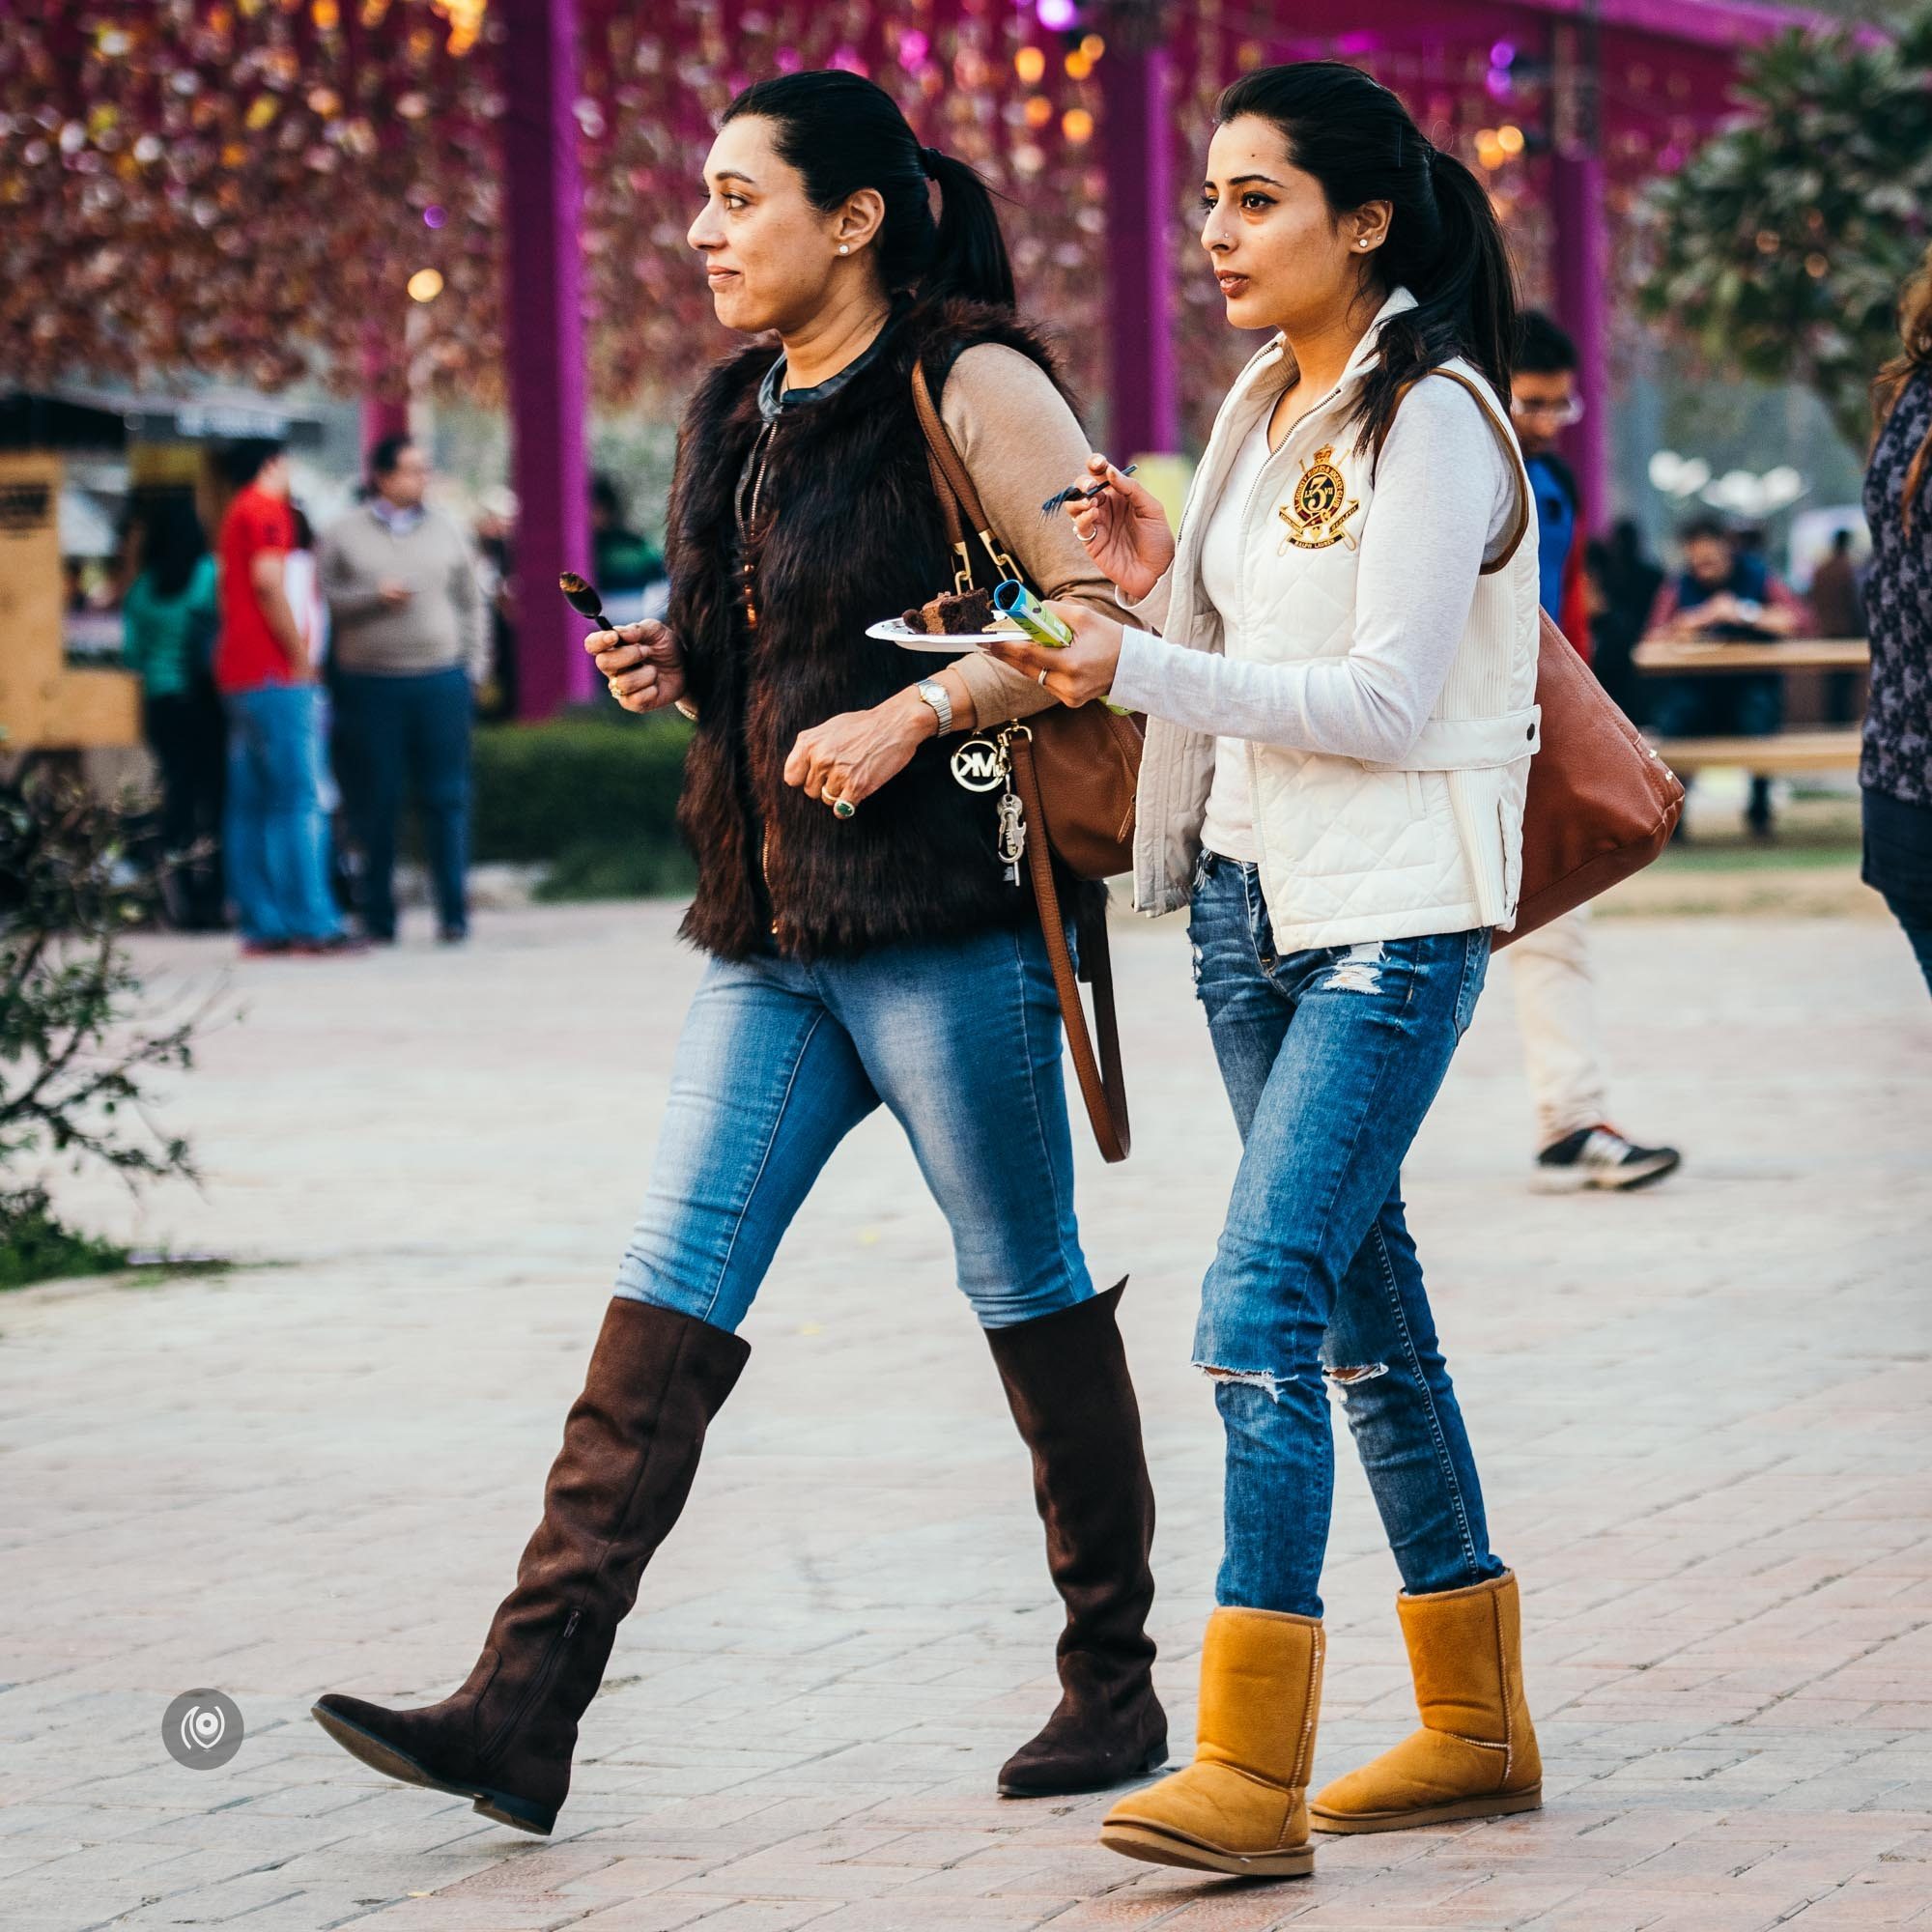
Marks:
<point>387,453</point>
<point>843,133</point>
<point>240,463</point>
<point>1913,358</point>
<point>604,496</point>
<point>1705,525</point>
<point>304,530</point>
<point>172,542</point>
<point>1542,349</point>
<point>1842,539</point>
<point>1444,242</point>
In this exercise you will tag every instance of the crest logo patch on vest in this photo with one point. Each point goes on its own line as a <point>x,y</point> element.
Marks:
<point>1319,508</point>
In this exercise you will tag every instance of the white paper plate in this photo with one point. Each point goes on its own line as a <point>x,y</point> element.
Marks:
<point>893,630</point>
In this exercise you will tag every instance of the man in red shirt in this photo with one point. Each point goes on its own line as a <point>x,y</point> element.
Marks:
<point>278,834</point>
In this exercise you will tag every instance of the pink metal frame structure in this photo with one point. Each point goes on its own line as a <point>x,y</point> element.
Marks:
<point>544,312</point>
<point>1608,123</point>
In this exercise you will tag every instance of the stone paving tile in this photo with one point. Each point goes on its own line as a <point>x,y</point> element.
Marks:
<point>1702,1415</point>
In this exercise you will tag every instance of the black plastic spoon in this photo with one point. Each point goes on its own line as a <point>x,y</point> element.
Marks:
<point>583,599</point>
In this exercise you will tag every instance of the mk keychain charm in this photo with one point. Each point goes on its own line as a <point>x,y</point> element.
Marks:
<point>986,764</point>
<point>980,764</point>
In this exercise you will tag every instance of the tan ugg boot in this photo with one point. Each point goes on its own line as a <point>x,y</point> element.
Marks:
<point>1242,1806</point>
<point>1475,1755</point>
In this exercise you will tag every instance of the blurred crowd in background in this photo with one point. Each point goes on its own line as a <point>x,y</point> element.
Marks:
<point>282,815</point>
<point>293,713</point>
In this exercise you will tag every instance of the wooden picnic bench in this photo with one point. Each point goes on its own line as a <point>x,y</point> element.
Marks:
<point>1806,749</point>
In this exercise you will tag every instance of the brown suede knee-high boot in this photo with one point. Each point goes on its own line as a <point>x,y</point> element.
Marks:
<point>1066,1382</point>
<point>630,1451</point>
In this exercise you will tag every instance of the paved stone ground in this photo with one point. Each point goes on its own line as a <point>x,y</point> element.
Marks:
<point>1701,1415</point>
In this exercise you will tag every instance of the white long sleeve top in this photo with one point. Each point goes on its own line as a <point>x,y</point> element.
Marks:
<point>1422,547</point>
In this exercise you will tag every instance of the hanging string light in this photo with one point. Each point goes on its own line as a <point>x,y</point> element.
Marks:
<point>248,187</point>
<point>465,18</point>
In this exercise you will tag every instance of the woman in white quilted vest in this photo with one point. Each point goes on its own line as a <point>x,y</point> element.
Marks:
<point>1337,657</point>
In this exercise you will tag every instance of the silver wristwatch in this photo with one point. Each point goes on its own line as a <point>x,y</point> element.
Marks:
<point>935,694</point>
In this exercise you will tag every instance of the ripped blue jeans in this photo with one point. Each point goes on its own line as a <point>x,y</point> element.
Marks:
<point>1331,1059</point>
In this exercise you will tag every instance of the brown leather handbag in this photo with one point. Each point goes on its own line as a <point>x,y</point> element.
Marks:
<point>1076,773</point>
<point>1601,804</point>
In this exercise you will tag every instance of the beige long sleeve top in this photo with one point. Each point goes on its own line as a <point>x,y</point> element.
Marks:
<point>1020,444</point>
<point>444,622</point>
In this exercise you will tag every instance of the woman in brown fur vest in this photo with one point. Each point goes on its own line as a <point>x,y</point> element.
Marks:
<point>866,944</point>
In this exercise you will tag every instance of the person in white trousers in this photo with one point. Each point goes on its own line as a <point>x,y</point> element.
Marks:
<point>1555,989</point>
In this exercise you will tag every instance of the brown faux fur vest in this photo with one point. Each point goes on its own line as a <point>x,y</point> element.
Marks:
<point>848,533</point>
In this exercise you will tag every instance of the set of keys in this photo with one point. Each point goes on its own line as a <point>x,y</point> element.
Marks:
<point>986,764</point>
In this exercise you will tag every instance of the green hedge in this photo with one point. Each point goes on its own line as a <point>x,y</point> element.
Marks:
<point>593,795</point>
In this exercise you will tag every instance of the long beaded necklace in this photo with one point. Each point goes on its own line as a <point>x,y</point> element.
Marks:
<point>749,537</point>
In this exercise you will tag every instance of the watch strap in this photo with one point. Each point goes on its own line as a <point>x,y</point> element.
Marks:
<point>940,699</point>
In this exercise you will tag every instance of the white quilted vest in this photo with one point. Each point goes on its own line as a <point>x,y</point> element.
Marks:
<point>1349,850</point>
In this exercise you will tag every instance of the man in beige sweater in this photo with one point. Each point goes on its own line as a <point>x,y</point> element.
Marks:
<point>411,639</point>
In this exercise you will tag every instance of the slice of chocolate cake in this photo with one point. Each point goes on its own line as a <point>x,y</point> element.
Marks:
<point>960,614</point>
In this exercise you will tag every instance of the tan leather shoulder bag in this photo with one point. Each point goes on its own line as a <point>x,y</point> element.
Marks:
<point>1076,773</point>
<point>1602,805</point>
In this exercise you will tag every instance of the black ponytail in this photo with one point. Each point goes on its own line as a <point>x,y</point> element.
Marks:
<point>969,252</point>
<point>843,133</point>
<point>1444,243</point>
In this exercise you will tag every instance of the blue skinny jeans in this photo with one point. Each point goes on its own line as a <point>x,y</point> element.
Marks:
<point>778,1061</point>
<point>1331,1057</point>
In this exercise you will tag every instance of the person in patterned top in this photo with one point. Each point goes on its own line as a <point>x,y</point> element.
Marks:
<point>1895,770</point>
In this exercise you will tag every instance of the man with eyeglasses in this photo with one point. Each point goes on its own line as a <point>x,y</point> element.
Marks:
<point>1543,404</point>
<point>1556,991</point>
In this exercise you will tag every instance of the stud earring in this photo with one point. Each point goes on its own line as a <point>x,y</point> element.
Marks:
<point>843,249</point>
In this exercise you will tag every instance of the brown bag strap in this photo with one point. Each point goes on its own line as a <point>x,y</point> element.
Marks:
<point>1511,455</point>
<point>952,484</point>
<point>1103,1080</point>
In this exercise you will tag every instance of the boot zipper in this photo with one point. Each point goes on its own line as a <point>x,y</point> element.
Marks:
<point>538,1685</point>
